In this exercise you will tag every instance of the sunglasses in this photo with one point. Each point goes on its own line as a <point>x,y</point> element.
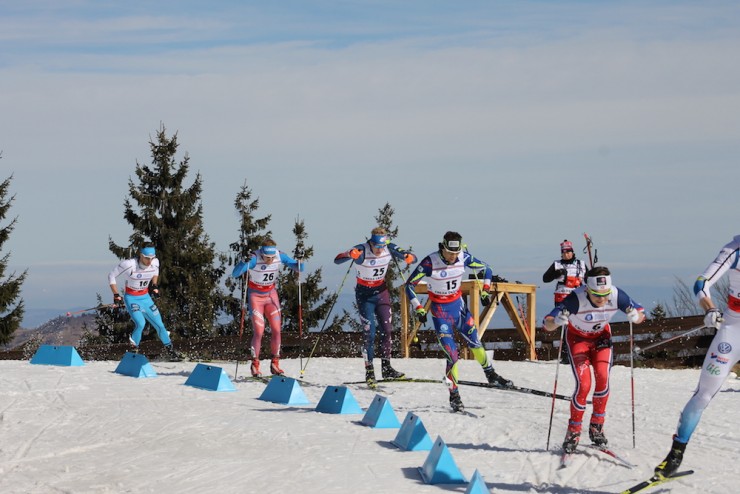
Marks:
<point>599,294</point>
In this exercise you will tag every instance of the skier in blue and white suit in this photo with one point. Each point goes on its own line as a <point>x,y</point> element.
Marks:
<point>444,270</point>
<point>141,275</point>
<point>722,354</point>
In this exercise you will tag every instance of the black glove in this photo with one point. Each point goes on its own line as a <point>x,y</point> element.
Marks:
<point>118,300</point>
<point>485,296</point>
<point>563,272</point>
<point>421,315</point>
<point>154,290</point>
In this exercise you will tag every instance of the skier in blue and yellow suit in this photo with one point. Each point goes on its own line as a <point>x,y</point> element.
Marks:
<point>445,269</point>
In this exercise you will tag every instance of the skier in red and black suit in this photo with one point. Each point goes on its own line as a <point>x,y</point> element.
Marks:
<point>567,271</point>
<point>587,312</point>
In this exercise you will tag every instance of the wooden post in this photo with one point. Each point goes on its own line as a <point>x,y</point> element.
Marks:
<point>471,289</point>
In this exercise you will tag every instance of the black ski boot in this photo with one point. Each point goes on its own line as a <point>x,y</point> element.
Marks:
<point>173,355</point>
<point>495,379</point>
<point>455,401</point>
<point>596,434</point>
<point>571,441</point>
<point>671,463</point>
<point>389,372</point>
<point>370,375</point>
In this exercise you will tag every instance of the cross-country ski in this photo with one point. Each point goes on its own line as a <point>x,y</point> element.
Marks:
<point>656,481</point>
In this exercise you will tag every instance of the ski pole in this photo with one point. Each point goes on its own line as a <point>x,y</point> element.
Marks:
<point>555,386</point>
<point>241,322</point>
<point>300,318</point>
<point>668,340</point>
<point>99,307</point>
<point>303,369</point>
<point>589,245</point>
<point>632,383</point>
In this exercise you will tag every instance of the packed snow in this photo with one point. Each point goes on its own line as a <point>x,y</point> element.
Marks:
<point>88,429</point>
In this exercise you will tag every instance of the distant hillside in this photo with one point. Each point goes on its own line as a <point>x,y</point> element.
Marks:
<point>61,330</point>
<point>33,318</point>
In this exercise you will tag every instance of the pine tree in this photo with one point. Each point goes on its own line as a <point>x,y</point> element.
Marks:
<point>251,235</point>
<point>169,215</point>
<point>315,305</point>
<point>11,305</point>
<point>658,313</point>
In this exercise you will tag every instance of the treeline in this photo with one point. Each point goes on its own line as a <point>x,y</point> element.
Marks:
<point>198,297</point>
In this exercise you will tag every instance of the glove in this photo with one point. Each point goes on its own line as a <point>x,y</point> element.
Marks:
<point>713,318</point>
<point>562,272</point>
<point>421,315</point>
<point>355,253</point>
<point>154,290</point>
<point>485,296</point>
<point>562,318</point>
<point>117,300</point>
<point>409,258</point>
<point>633,315</point>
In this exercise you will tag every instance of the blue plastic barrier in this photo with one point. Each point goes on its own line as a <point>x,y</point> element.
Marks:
<point>284,390</point>
<point>381,415</point>
<point>440,467</point>
<point>338,399</point>
<point>211,378</point>
<point>135,365</point>
<point>413,435</point>
<point>57,355</point>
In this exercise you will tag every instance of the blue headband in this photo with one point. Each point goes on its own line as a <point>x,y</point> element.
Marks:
<point>268,250</point>
<point>379,240</point>
<point>148,252</point>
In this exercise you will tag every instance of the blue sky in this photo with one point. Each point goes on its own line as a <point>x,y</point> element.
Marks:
<point>517,124</point>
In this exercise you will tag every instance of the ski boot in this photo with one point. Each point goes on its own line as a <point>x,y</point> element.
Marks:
<point>255,368</point>
<point>572,437</point>
<point>596,434</point>
<point>370,375</point>
<point>275,369</point>
<point>495,379</point>
<point>455,401</point>
<point>671,463</point>
<point>389,372</point>
<point>173,355</point>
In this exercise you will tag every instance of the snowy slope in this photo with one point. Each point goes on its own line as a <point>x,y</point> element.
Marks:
<point>89,430</point>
